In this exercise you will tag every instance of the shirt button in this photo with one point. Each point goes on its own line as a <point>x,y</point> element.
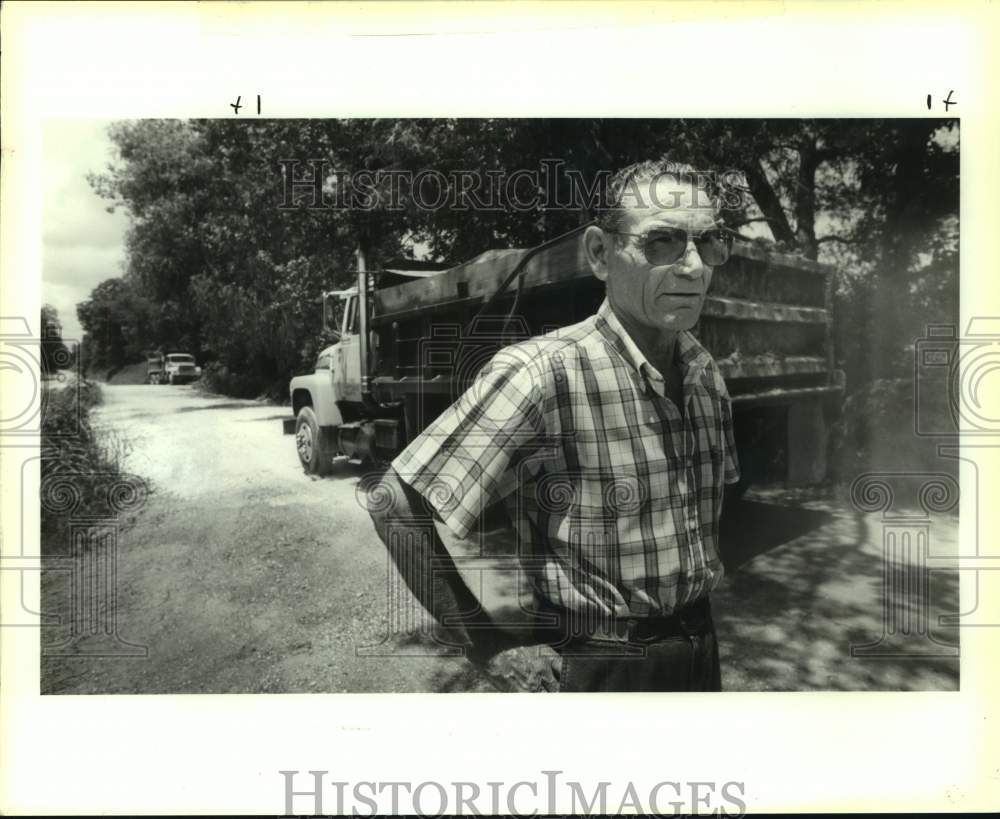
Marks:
<point>652,420</point>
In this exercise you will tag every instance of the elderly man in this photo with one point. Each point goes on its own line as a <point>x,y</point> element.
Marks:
<point>609,443</point>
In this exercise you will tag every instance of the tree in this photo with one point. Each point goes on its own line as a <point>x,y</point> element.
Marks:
<point>217,264</point>
<point>117,322</point>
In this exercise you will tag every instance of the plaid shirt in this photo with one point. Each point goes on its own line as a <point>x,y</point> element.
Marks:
<point>614,496</point>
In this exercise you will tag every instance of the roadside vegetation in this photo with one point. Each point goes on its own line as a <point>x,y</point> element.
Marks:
<point>875,432</point>
<point>78,462</point>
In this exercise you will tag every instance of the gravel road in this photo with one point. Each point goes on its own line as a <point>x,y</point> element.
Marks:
<point>242,574</point>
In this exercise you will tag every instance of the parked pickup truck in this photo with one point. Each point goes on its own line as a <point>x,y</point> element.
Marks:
<point>411,339</point>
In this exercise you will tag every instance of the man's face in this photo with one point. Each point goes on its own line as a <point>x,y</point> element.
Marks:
<point>667,296</point>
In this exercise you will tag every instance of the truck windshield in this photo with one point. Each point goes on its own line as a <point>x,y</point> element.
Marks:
<point>181,359</point>
<point>333,313</point>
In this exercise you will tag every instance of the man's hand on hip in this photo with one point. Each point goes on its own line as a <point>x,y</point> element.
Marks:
<point>524,669</point>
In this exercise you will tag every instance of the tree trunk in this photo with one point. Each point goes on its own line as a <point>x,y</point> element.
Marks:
<point>767,200</point>
<point>805,199</point>
<point>897,248</point>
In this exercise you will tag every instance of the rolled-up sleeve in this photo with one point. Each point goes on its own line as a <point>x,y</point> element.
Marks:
<point>480,449</point>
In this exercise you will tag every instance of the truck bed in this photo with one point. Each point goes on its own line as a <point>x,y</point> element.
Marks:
<point>766,320</point>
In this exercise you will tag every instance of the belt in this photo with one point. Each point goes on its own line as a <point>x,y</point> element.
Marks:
<point>689,621</point>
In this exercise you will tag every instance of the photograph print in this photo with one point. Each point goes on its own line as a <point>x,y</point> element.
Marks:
<point>517,405</point>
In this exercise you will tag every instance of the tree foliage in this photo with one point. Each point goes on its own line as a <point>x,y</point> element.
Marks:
<point>118,323</point>
<point>216,266</point>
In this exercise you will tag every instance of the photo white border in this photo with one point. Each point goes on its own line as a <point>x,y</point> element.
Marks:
<point>222,753</point>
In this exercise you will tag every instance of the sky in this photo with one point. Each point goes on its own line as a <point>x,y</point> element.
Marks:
<point>82,244</point>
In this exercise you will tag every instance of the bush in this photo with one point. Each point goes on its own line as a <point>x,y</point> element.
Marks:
<point>216,377</point>
<point>875,432</point>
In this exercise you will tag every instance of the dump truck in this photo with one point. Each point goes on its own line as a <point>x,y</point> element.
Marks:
<point>412,336</point>
<point>154,368</point>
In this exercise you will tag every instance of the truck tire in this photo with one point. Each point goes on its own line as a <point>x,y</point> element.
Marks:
<point>312,454</point>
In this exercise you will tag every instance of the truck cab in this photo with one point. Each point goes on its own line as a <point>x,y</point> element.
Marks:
<point>323,400</point>
<point>179,368</point>
<point>345,362</point>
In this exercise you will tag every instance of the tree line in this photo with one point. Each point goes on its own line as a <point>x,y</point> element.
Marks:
<point>219,265</point>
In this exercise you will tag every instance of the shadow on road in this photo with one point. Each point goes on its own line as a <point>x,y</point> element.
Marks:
<point>226,405</point>
<point>808,605</point>
<point>812,603</point>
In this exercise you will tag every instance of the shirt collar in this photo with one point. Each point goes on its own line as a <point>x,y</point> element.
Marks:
<point>693,357</point>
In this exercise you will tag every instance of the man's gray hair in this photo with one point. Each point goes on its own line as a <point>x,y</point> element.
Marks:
<point>623,187</point>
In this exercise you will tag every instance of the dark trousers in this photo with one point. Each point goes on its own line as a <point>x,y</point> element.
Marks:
<point>676,653</point>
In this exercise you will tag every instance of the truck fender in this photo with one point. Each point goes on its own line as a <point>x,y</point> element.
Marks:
<point>327,414</point>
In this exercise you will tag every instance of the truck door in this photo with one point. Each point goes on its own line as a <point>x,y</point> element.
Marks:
<point>347,374</point>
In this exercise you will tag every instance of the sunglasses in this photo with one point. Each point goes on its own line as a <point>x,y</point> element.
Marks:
<point>666,245</point>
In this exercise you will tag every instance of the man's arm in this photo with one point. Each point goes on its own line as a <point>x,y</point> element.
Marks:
<point>474,454</point>
<point>408,532</point>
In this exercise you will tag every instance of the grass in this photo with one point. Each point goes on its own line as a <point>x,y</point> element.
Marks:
<point>79,464</point>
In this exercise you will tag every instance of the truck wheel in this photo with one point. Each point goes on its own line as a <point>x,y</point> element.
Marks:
<point>315,459</point>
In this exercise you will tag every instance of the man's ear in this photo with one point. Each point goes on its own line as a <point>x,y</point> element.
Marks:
<point>597,247</point>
